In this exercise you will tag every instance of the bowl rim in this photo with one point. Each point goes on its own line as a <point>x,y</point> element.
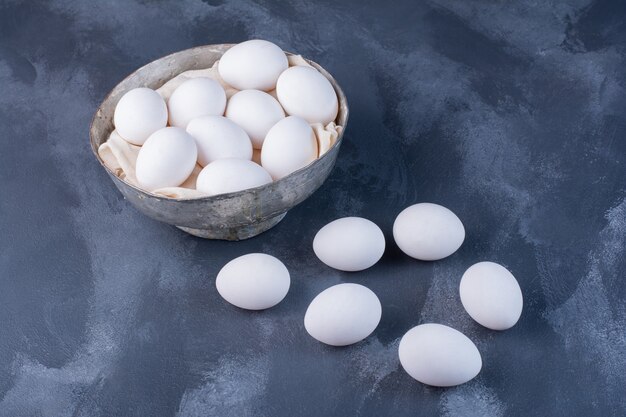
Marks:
<point>340,96</point>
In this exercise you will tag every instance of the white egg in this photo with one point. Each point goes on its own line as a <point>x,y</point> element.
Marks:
<point>349,244</point>
<point>196,97</point>
<point>289,145</point>
<point>166,159</point>
<point>343,314</point>
<point>219,138</point>
<point>254,64</point>
<point>305,92</point>
<point>255,281</point>
<point>491,295</point>
<point>256,112</point>
<point>231,175</point>
<point>139,113</point>
<point>439,355</point>
<point>428,231</point>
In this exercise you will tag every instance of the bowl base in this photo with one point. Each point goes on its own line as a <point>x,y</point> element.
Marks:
<point>234,233</point>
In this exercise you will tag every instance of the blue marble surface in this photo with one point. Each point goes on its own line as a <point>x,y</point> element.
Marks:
<point>511,113</point>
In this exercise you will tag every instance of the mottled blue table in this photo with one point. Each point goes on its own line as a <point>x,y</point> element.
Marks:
<point>512,114</point>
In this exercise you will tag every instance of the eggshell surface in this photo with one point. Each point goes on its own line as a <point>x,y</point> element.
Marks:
<point>428,231</point>
<point>166,159</point>
<point>254,64</point>
<point>439,355</point>
<point>349,244</point>
<point>256,112</point>
<point>343,314</point>
<point>219,138</point>
<point>139,113</point>
<point>196,97</point>
<point>491,295</point>
<point>231,175</point>
<point>289,145</point>
<point>255,281</point>
<point>305,92</point>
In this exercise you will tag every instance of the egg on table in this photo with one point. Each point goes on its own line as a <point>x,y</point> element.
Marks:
<point>491,295</point>
<point>139,113</point>
<point>428,231</point>
<point>231,175</point>
<point>349,244</point>
<point>305,92</point>
<point>219,138</point>
<point>196,97</point>
<point>343,314</point>
<point>166,159</point>
<point>254,64</point>
<point>255,281</point>
<point>439,355</point>
<point>288,146</point>
<point>256,112</point>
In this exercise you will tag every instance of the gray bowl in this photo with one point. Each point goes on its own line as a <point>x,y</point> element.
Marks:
<point>232,216</point>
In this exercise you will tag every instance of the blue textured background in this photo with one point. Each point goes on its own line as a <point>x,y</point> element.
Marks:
<point>511,113</point>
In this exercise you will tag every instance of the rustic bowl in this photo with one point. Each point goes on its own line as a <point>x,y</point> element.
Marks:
<point>232,216</point>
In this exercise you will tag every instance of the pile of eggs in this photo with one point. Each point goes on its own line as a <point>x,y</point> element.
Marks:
<point>344,314</point>
<point>272,112</point>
